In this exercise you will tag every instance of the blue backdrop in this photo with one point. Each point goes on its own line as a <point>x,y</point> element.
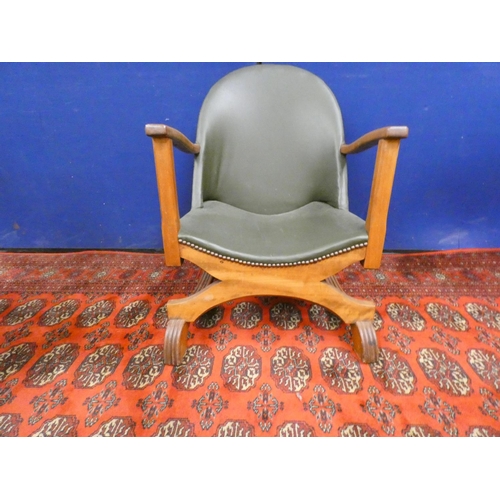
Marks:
<point>77,171</point>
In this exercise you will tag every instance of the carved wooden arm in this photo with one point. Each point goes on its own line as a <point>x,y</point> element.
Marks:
<point>164,138</point>
<point>178,138</point>
<point>371,139</point>
<point>388,140</point>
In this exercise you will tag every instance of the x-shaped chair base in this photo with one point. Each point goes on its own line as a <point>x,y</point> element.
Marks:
<point>314,282</point>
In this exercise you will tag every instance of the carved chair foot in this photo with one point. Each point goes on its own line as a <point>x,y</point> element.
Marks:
<point>365,341</point>
<point>175,344</point>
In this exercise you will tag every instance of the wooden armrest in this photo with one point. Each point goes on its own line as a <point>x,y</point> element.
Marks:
<point>178,138</point>
<point>164,139</point>
<point>388,140</point>
<point>372,138</point>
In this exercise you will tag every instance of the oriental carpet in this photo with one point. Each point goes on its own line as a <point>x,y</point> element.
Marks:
<point>81,339</point>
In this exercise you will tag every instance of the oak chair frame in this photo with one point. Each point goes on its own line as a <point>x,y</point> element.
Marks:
<point>312,281</point>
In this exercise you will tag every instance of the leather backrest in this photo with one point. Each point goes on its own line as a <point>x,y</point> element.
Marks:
<point>270,138</point>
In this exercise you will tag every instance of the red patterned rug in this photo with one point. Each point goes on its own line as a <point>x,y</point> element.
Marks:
<point>81,352</point>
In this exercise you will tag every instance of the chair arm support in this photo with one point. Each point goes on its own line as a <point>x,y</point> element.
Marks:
<point>380,197</point>
<point>163,150</point>
<point>387,139</point>
<point>371,138</point>
<point>178,138</point>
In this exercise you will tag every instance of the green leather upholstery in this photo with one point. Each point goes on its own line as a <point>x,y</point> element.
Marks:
<point>270,137</point>
<point>309,233</point>
<point>270,184</point>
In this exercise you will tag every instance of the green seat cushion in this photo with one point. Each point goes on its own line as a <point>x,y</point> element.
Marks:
<point>314,231</point>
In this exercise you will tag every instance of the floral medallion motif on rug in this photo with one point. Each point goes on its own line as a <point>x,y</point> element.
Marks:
<point>81,338</point>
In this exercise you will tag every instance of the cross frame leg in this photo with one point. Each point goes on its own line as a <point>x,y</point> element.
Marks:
<point>312,282</point>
